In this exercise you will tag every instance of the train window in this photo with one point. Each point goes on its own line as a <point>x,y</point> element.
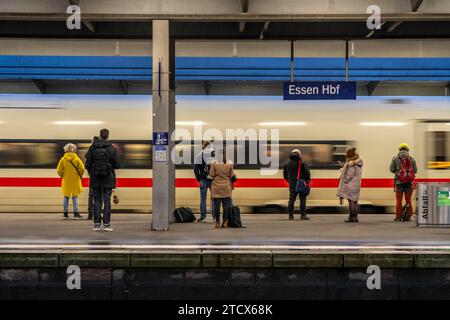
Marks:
<point>318,154</point>
<point>27,154</point>
<point>138,154</point>
<point>438,152</point>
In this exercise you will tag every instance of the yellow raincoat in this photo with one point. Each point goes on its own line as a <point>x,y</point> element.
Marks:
<point>71,180</point>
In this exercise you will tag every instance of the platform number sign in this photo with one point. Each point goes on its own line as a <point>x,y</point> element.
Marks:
<point>160,138</point>
<point>160,146</point>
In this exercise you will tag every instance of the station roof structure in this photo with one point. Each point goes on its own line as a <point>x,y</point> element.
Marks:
<point>243,41</point>
<point>228,19</point>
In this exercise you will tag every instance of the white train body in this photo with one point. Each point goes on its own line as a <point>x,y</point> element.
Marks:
<point>40,124</point>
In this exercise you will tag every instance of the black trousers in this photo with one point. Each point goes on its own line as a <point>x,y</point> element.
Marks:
<point>292,197</point>
<point>226,203</point>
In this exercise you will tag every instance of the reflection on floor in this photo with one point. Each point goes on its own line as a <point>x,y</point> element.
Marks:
<point>262,229</point>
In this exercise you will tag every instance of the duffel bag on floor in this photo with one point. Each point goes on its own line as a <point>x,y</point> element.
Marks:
<point>234,217</point>
<point>184,214</point>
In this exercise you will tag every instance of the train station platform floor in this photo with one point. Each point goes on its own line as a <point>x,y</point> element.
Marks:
<point>20,230</point>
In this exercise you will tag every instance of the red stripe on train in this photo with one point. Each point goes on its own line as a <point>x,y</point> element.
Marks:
<point>192,183</point>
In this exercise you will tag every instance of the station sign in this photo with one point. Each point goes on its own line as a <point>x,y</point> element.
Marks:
<point>323,90</point>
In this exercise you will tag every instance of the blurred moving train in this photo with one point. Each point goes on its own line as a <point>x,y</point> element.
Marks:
<point>34,128</point>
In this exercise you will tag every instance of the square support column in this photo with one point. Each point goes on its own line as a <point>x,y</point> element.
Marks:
<point>163,96</point>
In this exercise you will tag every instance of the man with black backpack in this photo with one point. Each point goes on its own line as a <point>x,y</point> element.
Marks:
<point>101,162</point>
<point>405,169</point>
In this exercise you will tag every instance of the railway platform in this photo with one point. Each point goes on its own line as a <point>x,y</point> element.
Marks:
<point>272,258</point>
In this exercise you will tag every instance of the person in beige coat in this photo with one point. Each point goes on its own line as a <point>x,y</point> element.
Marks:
<point>221,189</point>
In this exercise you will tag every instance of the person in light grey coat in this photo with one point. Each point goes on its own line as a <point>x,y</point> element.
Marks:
<point>350,182</point>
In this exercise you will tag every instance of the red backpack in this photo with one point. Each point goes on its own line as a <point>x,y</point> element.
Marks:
<point>406,173</point>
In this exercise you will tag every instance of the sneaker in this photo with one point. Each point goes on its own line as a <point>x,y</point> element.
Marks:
<point>398,219</point>
<point>291,217</point>
<point>202,220</point>
<point>108,228</point>
<point>77,216</point>
<point>304,217</point>
<point>96,228</point>
<point>65,216</point>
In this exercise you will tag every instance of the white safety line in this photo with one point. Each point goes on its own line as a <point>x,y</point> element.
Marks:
<point>218,247</point>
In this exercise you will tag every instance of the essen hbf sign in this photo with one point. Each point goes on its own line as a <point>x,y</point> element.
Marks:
<point>331,90</point>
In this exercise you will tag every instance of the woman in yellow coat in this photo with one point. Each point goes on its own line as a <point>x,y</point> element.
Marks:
<point>70,169</point>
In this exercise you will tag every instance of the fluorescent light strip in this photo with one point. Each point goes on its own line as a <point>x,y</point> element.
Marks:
<point>76,123</point>
<point>282,123</point>
<point>189,123</point>
<point>383,124</point>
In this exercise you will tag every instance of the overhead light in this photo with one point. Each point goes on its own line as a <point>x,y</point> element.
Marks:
<point>383,124</point>
<point>282,123</point>
<point>189,123</point>
<point>77,123</point>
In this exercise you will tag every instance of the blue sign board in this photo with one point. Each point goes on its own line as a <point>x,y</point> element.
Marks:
<point>327,90</point>
<point>160,138</point>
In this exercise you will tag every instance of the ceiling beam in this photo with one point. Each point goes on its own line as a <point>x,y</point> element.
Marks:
<point>244,8</point>
<point>207,85</point>
<point>415,5</point>
<point>124,86</point>
<point>371,87</point>
<point>372,32</point>
<point>88,24</point>
<point>264,30</point>
<point>248,17</point>
<point>40,85</point>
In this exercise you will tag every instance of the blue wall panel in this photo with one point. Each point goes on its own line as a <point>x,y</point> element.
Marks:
<point>224,68</point>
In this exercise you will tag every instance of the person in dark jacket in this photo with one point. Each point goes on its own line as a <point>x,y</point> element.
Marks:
<point>290,172</point>
<point>402,188</point>
<point>101,162</point>
<point>91,191</point>
<point>201,170</point>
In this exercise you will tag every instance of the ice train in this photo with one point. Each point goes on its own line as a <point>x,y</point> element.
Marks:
<point>34,128</point>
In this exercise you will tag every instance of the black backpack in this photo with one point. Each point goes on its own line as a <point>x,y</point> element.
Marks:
<point>234,217</point>
<point>101,166</point>
<point>183,214</point>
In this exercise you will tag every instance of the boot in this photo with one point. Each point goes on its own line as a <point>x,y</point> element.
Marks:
<point>304,216</point>
<point>291,216</point>
<point>353,217</point>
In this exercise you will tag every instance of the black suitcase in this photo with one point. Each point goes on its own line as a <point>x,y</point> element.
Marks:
<point>234,217</point>
<point>184,214</point>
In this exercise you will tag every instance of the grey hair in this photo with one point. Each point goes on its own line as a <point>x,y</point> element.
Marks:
<point>70,147</point>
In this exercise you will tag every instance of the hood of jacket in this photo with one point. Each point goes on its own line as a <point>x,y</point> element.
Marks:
<point>69,156</point>
<point>403,154</point>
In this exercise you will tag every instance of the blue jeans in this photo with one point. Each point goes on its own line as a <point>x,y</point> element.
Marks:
<point>102,194</point>
<point>66,205</point>
<point>205,184</point>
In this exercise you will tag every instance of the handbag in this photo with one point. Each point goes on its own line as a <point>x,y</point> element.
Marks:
<point>302,186</point>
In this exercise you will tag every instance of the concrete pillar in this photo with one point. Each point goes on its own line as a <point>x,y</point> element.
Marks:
<point>163,95</point>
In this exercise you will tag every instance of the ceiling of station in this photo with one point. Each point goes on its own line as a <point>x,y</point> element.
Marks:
<point>228,19</point>
<point>228,30</point>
